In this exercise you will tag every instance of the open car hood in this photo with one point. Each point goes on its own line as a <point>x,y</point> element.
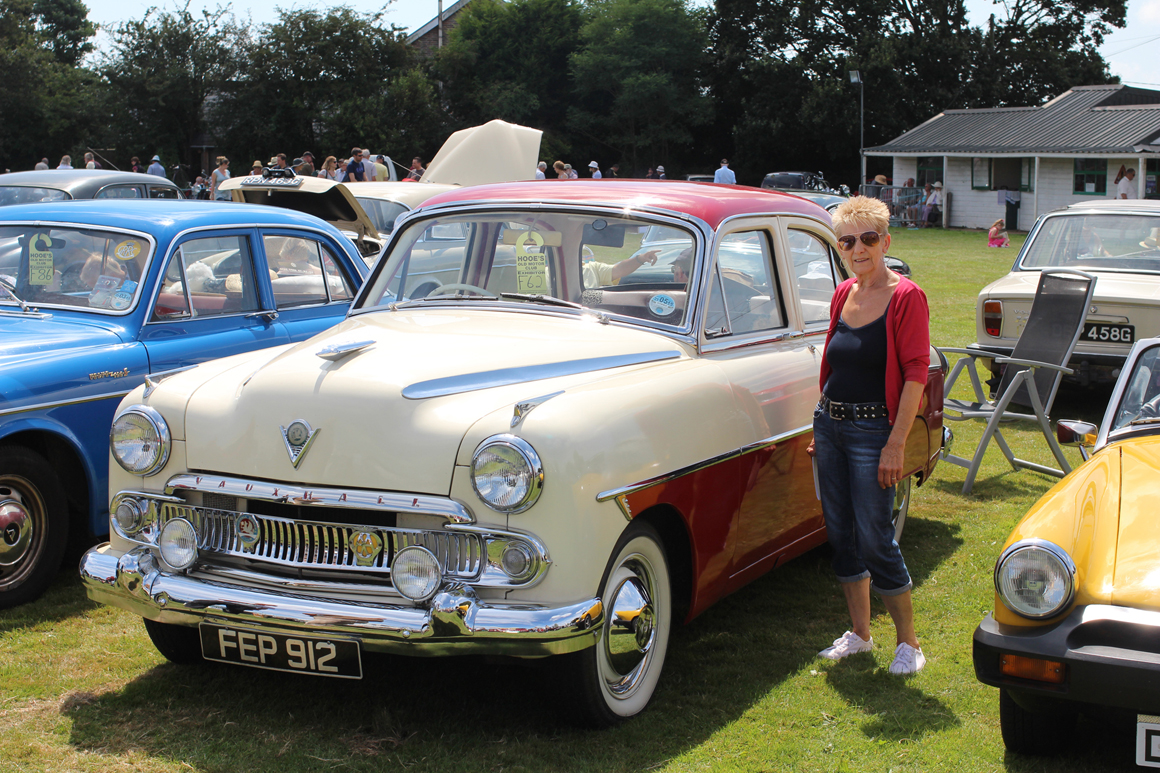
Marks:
<point>325,199</point>
<point>496,152</point>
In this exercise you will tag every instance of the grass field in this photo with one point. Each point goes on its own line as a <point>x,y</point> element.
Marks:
<point>83,689</point>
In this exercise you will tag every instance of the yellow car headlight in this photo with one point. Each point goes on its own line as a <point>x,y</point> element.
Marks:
<point>1035,578</point>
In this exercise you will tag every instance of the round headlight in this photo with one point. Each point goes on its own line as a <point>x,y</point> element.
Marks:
<point>516,560</point>
<point>507,474</point>
<point>178,543</point>
<point>416,573</point>
<point>1035,578</point>
<point>140,440</point>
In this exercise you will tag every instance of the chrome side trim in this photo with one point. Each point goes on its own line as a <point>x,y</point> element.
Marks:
<point>719,345</point>
<point>392,501</point>
<point>454,621</point>
<point>61,403</point>
<point>632,488</point>
<point>471,382</point>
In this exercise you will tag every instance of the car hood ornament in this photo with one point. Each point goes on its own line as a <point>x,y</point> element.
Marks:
<point>298,437</point>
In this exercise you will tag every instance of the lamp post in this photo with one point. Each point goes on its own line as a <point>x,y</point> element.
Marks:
<point>856,77</point>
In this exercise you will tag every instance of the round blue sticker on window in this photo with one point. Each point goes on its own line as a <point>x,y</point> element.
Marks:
<point>662,305</point>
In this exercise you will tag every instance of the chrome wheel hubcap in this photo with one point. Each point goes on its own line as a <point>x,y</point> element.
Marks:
<point>21,532</point>
<point>630,632</point>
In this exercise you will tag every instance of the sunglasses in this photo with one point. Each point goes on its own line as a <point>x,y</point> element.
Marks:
<point>869,238</point>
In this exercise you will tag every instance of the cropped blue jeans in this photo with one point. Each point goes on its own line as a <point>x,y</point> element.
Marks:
<point>857,510</point>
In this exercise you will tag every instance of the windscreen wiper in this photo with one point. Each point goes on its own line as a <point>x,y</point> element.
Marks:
<point>551,300</point>
<point>444,297</point>
<point>12,291</point>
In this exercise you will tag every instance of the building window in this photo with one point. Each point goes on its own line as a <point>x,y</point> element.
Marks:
<point>930,170</point>
<point>1152,179</point>
<point>1027,174</point>
<point>980,174</point>
<point>1091,176</point>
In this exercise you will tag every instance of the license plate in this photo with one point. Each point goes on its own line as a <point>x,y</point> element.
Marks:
<point>281,652</point>
<point>1098,332</point>
<point>1148,741</point>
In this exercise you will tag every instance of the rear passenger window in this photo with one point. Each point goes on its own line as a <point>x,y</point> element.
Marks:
<point>814,270</point>
<point>743,296</point>
<point>303,272</point>
<point>207,277</point>
<point>119,192</point>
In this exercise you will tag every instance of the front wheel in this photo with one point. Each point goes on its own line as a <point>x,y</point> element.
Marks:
<point>902,491</point>
<point>615,679</point>
<point>33,525</point>
<point>1029,732</point>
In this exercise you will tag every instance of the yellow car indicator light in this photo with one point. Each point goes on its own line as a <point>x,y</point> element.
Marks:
<point>1032,668</point>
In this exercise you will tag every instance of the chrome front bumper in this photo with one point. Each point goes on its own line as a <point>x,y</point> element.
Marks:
<point>453,622</point>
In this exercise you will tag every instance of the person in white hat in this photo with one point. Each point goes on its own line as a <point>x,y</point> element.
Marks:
<point>155,168</point>
<point>930,211</point>
<point>661,173</point>
<point>595,167</point>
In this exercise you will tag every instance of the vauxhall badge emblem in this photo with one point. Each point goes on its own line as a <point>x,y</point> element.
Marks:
<point>298,437</point>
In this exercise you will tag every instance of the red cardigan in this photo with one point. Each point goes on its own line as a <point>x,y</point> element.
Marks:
<point>907,339</point>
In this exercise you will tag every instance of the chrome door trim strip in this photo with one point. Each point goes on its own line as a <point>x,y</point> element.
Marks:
<point>632,488</point>
<point>60,403</point>
<point>471,382</point>
<point>387,501</point>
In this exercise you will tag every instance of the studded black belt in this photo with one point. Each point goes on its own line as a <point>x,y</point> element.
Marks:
<point>840,411</point>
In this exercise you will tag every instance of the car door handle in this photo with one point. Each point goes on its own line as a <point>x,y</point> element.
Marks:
<point>269,314</point>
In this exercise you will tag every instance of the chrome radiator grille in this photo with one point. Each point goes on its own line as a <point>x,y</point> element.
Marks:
<point>314,545</point>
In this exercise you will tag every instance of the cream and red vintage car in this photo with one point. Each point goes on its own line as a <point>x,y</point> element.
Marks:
<point>504,449</point>
<point>1115,241</point>
<point>1076,624</point>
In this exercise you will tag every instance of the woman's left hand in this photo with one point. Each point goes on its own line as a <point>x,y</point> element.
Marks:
<point>890,464</point>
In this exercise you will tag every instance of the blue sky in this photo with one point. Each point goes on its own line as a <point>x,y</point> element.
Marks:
<point>1133,52</point>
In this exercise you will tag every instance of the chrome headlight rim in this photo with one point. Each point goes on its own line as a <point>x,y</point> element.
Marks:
<point>163,542</point>
<point>530,457</point>
<point>1056,552</point>
<point>417,550</point>
<point>159,426</point>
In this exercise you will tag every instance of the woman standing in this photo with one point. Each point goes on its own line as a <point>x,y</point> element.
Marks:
<point>220,175</point>
<point>873,374</point>
<point>329,170</point>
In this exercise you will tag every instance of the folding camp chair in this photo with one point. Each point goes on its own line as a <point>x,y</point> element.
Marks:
<point>1039,360</point>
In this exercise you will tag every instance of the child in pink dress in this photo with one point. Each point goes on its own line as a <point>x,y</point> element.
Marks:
<point>997,236</point>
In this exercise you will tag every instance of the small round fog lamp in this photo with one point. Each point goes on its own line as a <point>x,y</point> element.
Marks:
<point>416,573</point>
<point>128,515</point>
<point>178,543</point>
<point>517,560</point>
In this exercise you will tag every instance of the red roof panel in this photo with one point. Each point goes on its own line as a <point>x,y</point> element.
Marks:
<point>708,201</point>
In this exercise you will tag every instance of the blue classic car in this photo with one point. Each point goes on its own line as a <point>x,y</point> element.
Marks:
<point>98,297</point>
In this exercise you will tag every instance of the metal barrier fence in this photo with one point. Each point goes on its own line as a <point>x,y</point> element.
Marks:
<point>907,205</point>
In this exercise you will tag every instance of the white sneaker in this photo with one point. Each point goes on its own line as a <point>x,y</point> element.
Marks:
<point>850,643</point>
<point>907,660</point>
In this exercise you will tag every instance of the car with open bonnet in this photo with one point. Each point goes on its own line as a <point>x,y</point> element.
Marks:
<point>506,449</point>
<point>1076,620</point>
<point>1114,240</point>
<point>100,297</point>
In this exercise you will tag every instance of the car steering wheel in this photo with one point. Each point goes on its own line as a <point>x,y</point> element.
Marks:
<point>1150,409</point>
<point>444,289</point>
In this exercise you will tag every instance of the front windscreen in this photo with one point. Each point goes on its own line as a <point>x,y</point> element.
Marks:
<point>71,267</point>
<point>1112,242</point>
<point>21,194</point>
<point>561,259</point>
<point>1140,404</point>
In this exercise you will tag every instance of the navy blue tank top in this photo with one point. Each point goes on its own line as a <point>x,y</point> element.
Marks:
<point>857,357</point>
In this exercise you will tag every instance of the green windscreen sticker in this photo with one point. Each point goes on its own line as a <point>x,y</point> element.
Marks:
<point>40,261</point>
<point>531,267</point>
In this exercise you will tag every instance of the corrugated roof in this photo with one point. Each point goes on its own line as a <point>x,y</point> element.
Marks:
<point>1086,119</point>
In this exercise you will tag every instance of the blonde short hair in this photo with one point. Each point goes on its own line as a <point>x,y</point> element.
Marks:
<point>862,210</point>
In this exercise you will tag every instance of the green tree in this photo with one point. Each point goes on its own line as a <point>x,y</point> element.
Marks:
<point>325,81</point>
<point>509,60</point>
<point>49,105</point>
<point>637,79</point>
<point>162,70</point>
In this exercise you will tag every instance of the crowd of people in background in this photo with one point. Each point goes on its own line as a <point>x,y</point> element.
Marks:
<point>908,204</point>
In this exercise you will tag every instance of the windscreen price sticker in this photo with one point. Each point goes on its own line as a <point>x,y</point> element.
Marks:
<point>40,261</point>
<point>531,267</point>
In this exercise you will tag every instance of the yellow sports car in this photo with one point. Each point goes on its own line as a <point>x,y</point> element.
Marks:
<point>1077,586</point>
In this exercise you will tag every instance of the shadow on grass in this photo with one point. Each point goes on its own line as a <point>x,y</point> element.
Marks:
<point>461,713</point>
<point>65,598</point>
<point>894,710</point>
